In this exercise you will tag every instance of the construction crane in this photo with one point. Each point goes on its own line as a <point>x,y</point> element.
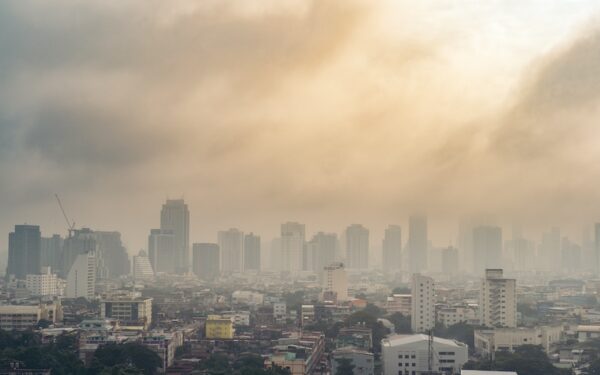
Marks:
<point>70,226</point>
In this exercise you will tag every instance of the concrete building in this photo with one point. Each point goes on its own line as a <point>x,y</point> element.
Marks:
<point>164,344</point>
<point>130,312</point>
<point>335,281</point>
<point>142,268</point>
<point>112,260</point>
<point>175,217</point>
<point>588,332</point>
<point>487,248</point>
<point>81,279</point>
<point>450,260</point>
<point>247,297</point>
<point>206,261</point>
<point>218,327</point>
<point>293,238</point>
<point>300,353</point>
<point>423,303</point>
<point>23,317</point>
<point>497,300</point>
<point>489,341</point>
<point>418,243</point>
<point>357,337</point>
<point>391,249</point>
<point>321,251</point>
<point>408,355</point>
<point>399,303</point>
<point>357,247</point>
<point>251,252</point>
<point>161,250</point>
<point>43,284</point>
<point>449,316</point>
<point>362,360</point>
<point>279,311</point>
<point>51,252</point>
<point>231,246</point>
<point>24,251</point>
<point>80,241</point>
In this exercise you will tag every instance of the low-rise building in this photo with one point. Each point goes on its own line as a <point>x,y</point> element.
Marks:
<point>399,303</point>
<point>488,341</point>
<point>299,353</point>
<point>408,354</point>
<point>44,284</point>
<point>585,333</point>
<point>165,345</point>
<point>357,337</point>
<point>246,297</point>
<point>129,311</point>
<point>218,327</point>
<point>362,360</point>
<point>22,317</point>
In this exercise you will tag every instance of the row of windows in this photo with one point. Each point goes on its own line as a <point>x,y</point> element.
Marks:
<point>446,353</point>
<point>406,356</point>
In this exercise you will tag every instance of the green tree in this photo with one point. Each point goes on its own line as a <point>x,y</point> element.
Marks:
<point>401,323</point>
<point>135,355</point>
<point>526,360</point>
<point>344,366</point>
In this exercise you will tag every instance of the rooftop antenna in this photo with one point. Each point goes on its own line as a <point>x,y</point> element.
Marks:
<point>70,226</point>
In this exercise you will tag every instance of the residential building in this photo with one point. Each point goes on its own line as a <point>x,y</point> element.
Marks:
<point>293,238</point>
<point>362,360</point>
<point>408,355</point>
<point>51,252</point>
<point>418,243</point>
<point>399,303</point>
<point>356,337</point>
<point>247,297</point>
<point>80,241</point>
<point>23,317</point>
<point>130,312</point>
<point>300,353</point>
<point>321,251</point>
<point>392,249</point>
<point>164,344</point>
<point>335,281</point>
<point>44,284</point>
<point>112,260</point>
<point>175,217</point>
<point>218,327</point>
<point>588,332</point>
<point>487,247</point>
<point>161,250</point>
<point>497,300</point>
<point>489,341</point>
<point>231,246</point>
<point>357,247</point>
<point>206,260</point>
<point>81,279</point>
<point>450,260</point>
<point>423,303</point>
<point>251,252</point>
<point>24,251</point>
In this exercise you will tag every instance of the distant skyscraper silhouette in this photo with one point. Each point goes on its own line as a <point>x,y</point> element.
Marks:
<point>80,241</point>
<point>597,248</point>
<point>550,250</point>
<point>24,251</point>
<point>450,260</point>
<point>161,249</point>
<point>487,248</point>
<point>418,245</point>
<point>112,259</point>
<point>391,249</point>
<point>51,252</point>
<point>231,245</point>
<point>142,269</point>
<point>251,252</point>
<point>175,216</point>
<point>357,247</point>
<point>293,238</point>
<point>206,260</point>
<point>321,251</point>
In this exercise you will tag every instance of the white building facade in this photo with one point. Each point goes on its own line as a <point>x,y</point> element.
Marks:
<point>423,303</point>
<point>498,300</point>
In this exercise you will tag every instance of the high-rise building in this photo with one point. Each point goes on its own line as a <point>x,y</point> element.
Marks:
<point>497,300</point>
<point>523,252</point>
<point>80,241</point>
<point>487,247</point>
<point>142,269</point>
<point>391,248</point>
<point>44,284</point>
<point>550,250</point>
<point>24,251</point>
<point>450,260</point>
<point>357,247</point>
<point>51,252</point>
<point>112,259</point>
<point>293,238</point>
<point>161,249</point>
<point>597,248</point>
<point>251,252</point>
<point>206,260</point>
<point>175,216</point>
<point>335,282</point>
<point>422,317</point>
<point>418,243</point>
<point>81,279</point>
<point>231,245</point>
<point>320,251</point>
<point>571,256</point>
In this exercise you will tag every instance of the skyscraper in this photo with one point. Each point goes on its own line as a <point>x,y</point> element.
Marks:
<point>417,243</point>
<point>206,260</point>
<point>142,269</point>
<point>24,251</point>
<point>550,250</point>
<point>80,241</point>
<point>391,248</point>
<point>450,260</point>
<point>175,216</point>
<point>293,238</point>
<point>81,278</point>
<point>231,245</point>
<point>321,251</point>
<point>112,259</point>
<point>423,303</point>
<point>251,252</point>
<point>51,252</point>
<point>161,249</point>
<point>357,247</point>
<point>487,248</point>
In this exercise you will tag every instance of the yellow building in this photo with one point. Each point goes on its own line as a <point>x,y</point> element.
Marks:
<point>217,327</point>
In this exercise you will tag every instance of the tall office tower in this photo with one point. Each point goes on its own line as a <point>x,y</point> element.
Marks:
<point>423,303</point>
<point>357,247</point>
<point>487,248</point>
<point>142,269</point>
<point>231,245</point>
<point>523,254</point>
<point>161,249</point>
<point>81,279</point>
<point>251,252</point>
<point>321,250</point>
<point>597,248</point>
<point>391,248</point>
<point>80,241</point>
<point>335,282</point>
<point>450,260</point>
<point>51,252</point>
<point>417,243</point>
<point>206,260</point>
<point>550,253</point>
<point>497,300</point>
<point>112,259</point>
<point>570,256</point>
<point>175,216</point>
<point>24,248</point>
<point>293,237</point>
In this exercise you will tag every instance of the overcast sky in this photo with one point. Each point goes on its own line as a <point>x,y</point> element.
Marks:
<point>324,112</point>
